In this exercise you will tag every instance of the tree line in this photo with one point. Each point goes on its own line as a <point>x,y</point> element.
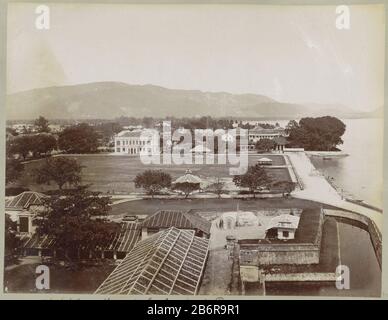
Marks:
<point>255,179</point>
<point>312,134</point>
<point>80,138</point>
<point>77,139</point>
<point>316,134</point>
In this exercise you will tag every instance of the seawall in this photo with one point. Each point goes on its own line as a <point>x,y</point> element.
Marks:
<point>375,234</point>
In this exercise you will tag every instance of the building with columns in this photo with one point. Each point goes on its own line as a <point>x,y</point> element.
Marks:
<point>137,141</point>
<point>258,133</point>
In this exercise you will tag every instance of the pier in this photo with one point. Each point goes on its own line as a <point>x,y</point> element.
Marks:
<point>317,188</point>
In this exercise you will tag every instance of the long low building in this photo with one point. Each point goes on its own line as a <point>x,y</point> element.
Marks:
<point>116,247</point>
<point>130,232</point>
<point>185,220</point>
<point>171,261</point>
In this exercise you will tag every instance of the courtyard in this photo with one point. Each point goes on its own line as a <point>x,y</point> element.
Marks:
<point>150,206</point>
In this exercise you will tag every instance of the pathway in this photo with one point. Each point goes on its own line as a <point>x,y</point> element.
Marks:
<point>317,188</point>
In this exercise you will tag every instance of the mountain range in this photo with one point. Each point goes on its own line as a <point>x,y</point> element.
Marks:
<point>108,100</point>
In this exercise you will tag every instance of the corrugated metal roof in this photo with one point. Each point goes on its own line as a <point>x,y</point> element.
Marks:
<point>123,241</point>
<point>126,238</point>
<point>24,200</point>
<point>177,219</point>
<point>169,262</point>
<point>38,242</point>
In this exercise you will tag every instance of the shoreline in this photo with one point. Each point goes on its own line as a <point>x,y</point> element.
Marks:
<point>345,194</point>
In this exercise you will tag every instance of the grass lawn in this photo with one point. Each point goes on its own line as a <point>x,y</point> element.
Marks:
<point>150,206</point>
<point>21,279</point>
<point>115,174</point>
<point>279,174</point>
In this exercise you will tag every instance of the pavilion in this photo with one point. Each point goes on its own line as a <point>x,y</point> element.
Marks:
<point>264,161</point>
<point>188,177</point>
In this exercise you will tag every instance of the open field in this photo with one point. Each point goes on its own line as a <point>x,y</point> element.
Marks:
<point>115,174</point>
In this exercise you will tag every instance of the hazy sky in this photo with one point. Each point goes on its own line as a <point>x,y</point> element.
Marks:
<point>290,53</point>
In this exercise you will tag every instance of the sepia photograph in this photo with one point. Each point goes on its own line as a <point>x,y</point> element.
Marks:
<point>193,150</point>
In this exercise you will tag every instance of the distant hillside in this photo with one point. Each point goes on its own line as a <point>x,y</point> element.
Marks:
<point>107,100</point>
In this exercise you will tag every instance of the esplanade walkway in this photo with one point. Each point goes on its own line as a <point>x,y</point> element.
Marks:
<point>314,186</point>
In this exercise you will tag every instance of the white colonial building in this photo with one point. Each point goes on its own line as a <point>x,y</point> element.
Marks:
<point>137,141</point>
<point>259,132</point>
<point>278,133</point>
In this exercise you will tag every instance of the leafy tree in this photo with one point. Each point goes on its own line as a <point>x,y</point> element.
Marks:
<point>43,143</point>
<point>265,145</point>
<point>148,122</point>
<point>285,186</point>
<point>153,181</point>
<point>254,178</point>
<point>21,145</point>
<point>13,170</point>
<point>8,148</point>
<point>42,125</point>
<point>217,188</point>
<point>81,138</point>
<point>61,170</point>
<point>12,242</point>
<point>107,130</point>
<point>36,144</point>
<point>11,131</point>
<point>318,134</point>
<point>246,126</point>
<point>186,187</point>
<point>26,130</point>
<point>266,125</point>
<point>76,218</point>
<point>292,124</point>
